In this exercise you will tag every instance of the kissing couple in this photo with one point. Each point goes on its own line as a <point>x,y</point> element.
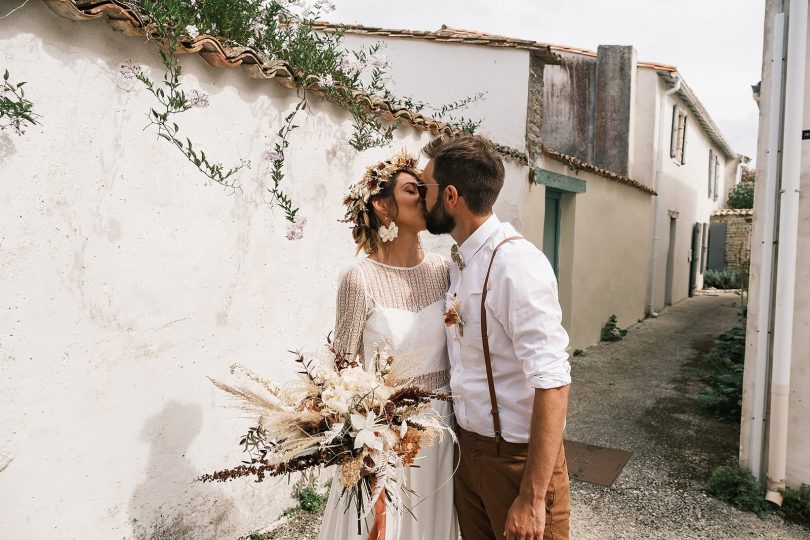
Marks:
<point>485,324</point>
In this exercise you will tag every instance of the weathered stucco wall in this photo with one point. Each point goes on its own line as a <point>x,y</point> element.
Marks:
<point>126,280</point>
<point>569,92</point>
<point>605,240</point>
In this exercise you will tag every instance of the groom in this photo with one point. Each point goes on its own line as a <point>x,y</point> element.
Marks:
<point>509,369</point>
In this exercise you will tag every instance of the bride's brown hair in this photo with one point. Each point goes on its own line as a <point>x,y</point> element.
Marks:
<point>378,183</point>
<point>366,230</point>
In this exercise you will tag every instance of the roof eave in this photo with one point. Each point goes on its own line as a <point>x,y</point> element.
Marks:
<point>542,50</point>
<point>700,112</point>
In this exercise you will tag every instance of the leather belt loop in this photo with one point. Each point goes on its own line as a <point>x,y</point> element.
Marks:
<point>496,416</point>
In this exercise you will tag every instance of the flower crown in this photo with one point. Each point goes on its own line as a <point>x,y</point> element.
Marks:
<point>356,201</point>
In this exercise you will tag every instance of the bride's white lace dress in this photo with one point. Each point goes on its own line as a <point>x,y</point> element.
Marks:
<point>405,306</point>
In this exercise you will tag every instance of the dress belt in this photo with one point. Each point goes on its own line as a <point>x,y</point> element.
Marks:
<point>431,381</point>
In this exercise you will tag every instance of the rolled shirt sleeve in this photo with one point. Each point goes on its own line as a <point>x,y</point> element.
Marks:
<point>525,302</point>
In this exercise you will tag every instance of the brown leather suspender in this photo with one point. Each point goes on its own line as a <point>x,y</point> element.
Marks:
<point>496,418</point>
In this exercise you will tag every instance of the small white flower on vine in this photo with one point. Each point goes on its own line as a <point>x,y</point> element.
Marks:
<point>192,31</point>
<point>350,65</point>
<point>272,155</point>
<point>379,61</point>
<point>389,233</point>
<point>327,80</point>
<point>295,231</point>
<point>198,99</point>
<point>130,70</point>
<point>324,6</point>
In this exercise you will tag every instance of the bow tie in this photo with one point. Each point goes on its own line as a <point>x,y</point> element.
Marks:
<point>456,256</point>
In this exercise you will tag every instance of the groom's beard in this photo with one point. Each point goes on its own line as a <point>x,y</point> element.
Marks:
<point>438,220</point>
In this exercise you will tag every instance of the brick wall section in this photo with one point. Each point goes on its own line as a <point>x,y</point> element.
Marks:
<point>738,236</point>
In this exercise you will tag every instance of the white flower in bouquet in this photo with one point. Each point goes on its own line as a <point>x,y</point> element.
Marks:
<point>371,419</point>
<point>337,399</point>
<point>368,432</point>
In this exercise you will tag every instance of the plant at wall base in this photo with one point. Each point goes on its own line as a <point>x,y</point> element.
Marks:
<point>611,330</point>
<point>724,374</point>
<point>741,196</point>
<point>16,112</point>
<point>796,504</point>
<point>722,279</point>
<point>735,485</point>
<point>281,33</point>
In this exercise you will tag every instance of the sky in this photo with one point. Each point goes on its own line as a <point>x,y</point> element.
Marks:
<point>716,44</point>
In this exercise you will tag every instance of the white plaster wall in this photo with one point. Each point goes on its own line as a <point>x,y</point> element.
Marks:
<point>126,280</point>
<point>606,228</point>
<point>644,143</point>
<point>438,73</point>
<point>684,189</point>
<point>798,444</point>
<point>798,450</point>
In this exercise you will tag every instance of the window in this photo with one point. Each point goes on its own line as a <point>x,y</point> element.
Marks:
<point>677,144</point>
<point>714,175</point>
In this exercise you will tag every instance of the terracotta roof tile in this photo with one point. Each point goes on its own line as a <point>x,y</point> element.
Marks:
<point>577,164</point>
<point>447,35</point>
<point>220,55</point>
<point>217,54</point>
<point>734,212</point>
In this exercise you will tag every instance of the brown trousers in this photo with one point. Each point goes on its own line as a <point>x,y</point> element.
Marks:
<point>487,482</point>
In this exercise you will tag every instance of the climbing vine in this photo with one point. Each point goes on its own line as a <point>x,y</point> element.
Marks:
<point>281,32</point>
<point>16,112</point>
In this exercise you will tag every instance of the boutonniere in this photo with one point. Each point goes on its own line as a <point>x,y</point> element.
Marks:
<point>452,313</point>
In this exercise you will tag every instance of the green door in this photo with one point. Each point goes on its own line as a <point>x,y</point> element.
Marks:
<point>551,229</point>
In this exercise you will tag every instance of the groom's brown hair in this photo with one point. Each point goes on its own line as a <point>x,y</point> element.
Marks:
<point>472,164</point>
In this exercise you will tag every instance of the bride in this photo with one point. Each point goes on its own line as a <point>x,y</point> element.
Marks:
<point>396,294</point>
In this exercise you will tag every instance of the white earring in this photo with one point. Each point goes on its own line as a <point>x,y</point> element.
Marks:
<point>389,233</point>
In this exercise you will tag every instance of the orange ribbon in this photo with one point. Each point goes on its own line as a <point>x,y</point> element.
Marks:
<point>378,530</point>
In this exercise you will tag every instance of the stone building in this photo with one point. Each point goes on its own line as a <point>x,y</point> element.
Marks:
<point>730,239</point>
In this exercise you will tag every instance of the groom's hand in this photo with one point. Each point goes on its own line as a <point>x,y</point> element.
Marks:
<point>526,519</point>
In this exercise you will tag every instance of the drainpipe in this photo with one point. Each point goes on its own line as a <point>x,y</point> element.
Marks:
<point>767,247</point>
<point>788,235</point>
<point>658,174</point>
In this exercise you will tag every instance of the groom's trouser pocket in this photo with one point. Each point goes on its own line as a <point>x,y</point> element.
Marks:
<point>488,480</point>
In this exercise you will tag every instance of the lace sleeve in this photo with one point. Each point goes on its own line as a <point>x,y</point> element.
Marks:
<point>352,308</point>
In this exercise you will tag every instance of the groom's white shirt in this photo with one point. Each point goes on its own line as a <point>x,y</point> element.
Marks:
<point>524,321</point>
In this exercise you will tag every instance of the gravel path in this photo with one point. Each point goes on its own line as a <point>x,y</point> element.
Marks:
<point>640,394</point>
